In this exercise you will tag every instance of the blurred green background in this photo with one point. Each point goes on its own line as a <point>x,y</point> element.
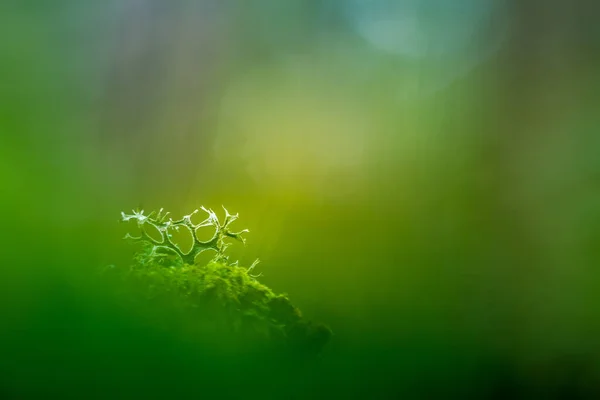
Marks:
<point>423,176</point>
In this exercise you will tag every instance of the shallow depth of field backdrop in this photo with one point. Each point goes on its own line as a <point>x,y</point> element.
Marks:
<point>423,176</point>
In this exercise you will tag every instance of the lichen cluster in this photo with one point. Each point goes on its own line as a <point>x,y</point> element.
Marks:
<point>220,295</point>
<point>163,226</point>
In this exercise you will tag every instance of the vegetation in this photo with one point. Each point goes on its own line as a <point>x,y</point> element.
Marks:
<point>220,298</point>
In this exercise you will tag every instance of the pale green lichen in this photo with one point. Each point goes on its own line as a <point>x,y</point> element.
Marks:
<point>165,244</point>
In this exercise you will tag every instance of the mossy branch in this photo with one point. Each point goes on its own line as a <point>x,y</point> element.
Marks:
<point>162,225</point>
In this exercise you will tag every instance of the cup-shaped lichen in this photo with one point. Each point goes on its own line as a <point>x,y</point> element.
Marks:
<point>158,220</point>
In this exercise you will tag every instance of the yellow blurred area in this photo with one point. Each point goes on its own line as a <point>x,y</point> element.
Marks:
<point>294,133</point>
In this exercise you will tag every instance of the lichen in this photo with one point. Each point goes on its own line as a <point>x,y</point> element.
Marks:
<point>164,246</point>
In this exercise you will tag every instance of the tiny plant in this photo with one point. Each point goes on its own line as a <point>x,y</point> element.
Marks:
<point>222,293</point>
<point>159,221</point>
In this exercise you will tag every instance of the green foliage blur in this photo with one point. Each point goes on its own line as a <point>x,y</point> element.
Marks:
<point>426,187</point>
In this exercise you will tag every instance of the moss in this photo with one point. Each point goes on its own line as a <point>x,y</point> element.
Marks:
<point>229,300</point>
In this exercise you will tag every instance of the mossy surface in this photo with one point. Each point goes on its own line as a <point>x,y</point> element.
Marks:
<point>221,301</point>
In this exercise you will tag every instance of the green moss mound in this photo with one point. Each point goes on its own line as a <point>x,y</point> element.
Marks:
<point>222,302</point>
